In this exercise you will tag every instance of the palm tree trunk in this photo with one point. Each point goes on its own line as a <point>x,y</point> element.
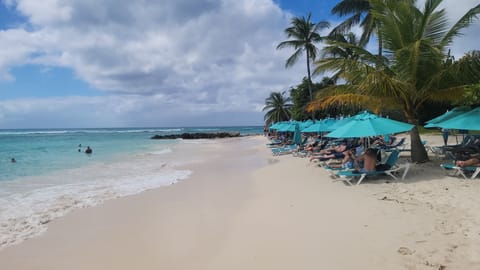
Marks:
<point>309,77</point>
<point>380,42</point>
<point>310,82</point>
<point>418,151</point>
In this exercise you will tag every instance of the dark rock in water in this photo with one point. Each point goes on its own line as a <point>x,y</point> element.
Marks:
<point>198,135</point>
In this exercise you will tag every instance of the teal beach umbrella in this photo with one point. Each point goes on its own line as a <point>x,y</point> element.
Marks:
<point>467,121</point>
<point>277,125</point>
<point>339,123</point>
<point>297,136</point>
<point>446,116</point>
<point>320,126</point>
<point>367,124</point>
<point>306,124</point>
<point>287,127</point>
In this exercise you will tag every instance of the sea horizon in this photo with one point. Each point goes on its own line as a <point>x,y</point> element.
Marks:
<point>139,127</point>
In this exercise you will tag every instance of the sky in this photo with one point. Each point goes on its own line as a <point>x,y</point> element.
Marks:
<point>145,63</point>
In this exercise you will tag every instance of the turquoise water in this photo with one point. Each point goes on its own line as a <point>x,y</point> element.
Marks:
<point>51,177</point>
<point>42,151</point>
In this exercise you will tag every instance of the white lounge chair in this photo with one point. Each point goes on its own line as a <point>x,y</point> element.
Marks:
<point>463,171</point>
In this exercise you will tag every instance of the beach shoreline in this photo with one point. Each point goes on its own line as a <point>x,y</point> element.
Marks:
<point>244,209</point>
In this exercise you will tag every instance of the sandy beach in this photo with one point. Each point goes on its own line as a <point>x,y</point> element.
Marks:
<point>243,208</point>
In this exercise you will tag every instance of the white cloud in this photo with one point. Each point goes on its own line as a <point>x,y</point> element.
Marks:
<point>120,111</point>
<point>158,59</point>
<point>162,46</point>
<point>455,9</point>
<point>216,52</point>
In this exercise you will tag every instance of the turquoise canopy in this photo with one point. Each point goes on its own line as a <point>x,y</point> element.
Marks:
<point>339,123</point>
<point>287,127</point>
<point>467,121</point>
<point>278,125</point>
<point>305,124</point>
<point>297,136</point>
<point>446,116</point>
<point>367,124</point>
<point>320,126</point>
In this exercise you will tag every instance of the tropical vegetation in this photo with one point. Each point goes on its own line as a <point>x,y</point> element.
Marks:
<point>278,107</point>
<point>411,69</point>
<point>300,98</point>
<point>303,34</point>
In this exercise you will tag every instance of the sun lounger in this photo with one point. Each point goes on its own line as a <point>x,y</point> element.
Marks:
<point>438,151</point>
<point>398,145</point>
<point>463,171</point>
<point>349,175</point>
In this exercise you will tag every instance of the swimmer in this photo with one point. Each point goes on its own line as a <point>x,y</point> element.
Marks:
<point>13,160</point>
<point>88,150</point>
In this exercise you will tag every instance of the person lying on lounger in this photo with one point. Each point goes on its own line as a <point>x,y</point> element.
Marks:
<point>348,161</point>
<point>475,161</point>
<point>334,152</point>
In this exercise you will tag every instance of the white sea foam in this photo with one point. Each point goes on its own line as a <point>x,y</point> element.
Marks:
<point>26,213</point>
<point>161,152</point>
<point>199,141</point>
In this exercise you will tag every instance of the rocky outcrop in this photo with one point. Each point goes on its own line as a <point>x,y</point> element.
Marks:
<point>190,136</point>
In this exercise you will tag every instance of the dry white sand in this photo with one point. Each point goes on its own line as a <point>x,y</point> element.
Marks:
<point>244,209</point>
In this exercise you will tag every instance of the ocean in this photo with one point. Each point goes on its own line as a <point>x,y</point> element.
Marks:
<point>52,174</point>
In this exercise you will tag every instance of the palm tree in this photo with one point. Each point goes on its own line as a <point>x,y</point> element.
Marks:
<point>413,70</point>
<point>304,34</point>
<point>332,50</point>
<point>278,106</point>
<point>360,11</point>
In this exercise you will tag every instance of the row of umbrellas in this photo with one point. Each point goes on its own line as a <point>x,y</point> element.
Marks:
<point>457,118</point>
<point>364,124</point>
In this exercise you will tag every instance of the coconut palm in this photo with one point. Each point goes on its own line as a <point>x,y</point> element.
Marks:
<point>278,108</point>
<point>360,11</point>
<point>413,70</point>
<point>332,50</point>
<point>304,35</point>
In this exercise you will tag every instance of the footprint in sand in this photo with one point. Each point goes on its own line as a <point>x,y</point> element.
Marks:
<point>405,251</point>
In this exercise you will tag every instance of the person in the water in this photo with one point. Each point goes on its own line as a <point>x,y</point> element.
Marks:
<point>88,150</point>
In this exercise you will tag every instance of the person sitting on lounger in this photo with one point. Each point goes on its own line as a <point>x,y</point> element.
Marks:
<point>369,159</point>
<point>475,161</point>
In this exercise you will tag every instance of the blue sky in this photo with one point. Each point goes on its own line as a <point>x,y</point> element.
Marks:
<point>111,63</point>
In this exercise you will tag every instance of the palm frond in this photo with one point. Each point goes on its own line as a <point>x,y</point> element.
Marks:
<point>346,7</point>
<point>293,58</point>
<point>346,25</point>
<point>451,94</point>
<point>368,24</point>
<point>350,99</point>
<point>380,84</point>
<point>290,43</point>
<point>465,21</point>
